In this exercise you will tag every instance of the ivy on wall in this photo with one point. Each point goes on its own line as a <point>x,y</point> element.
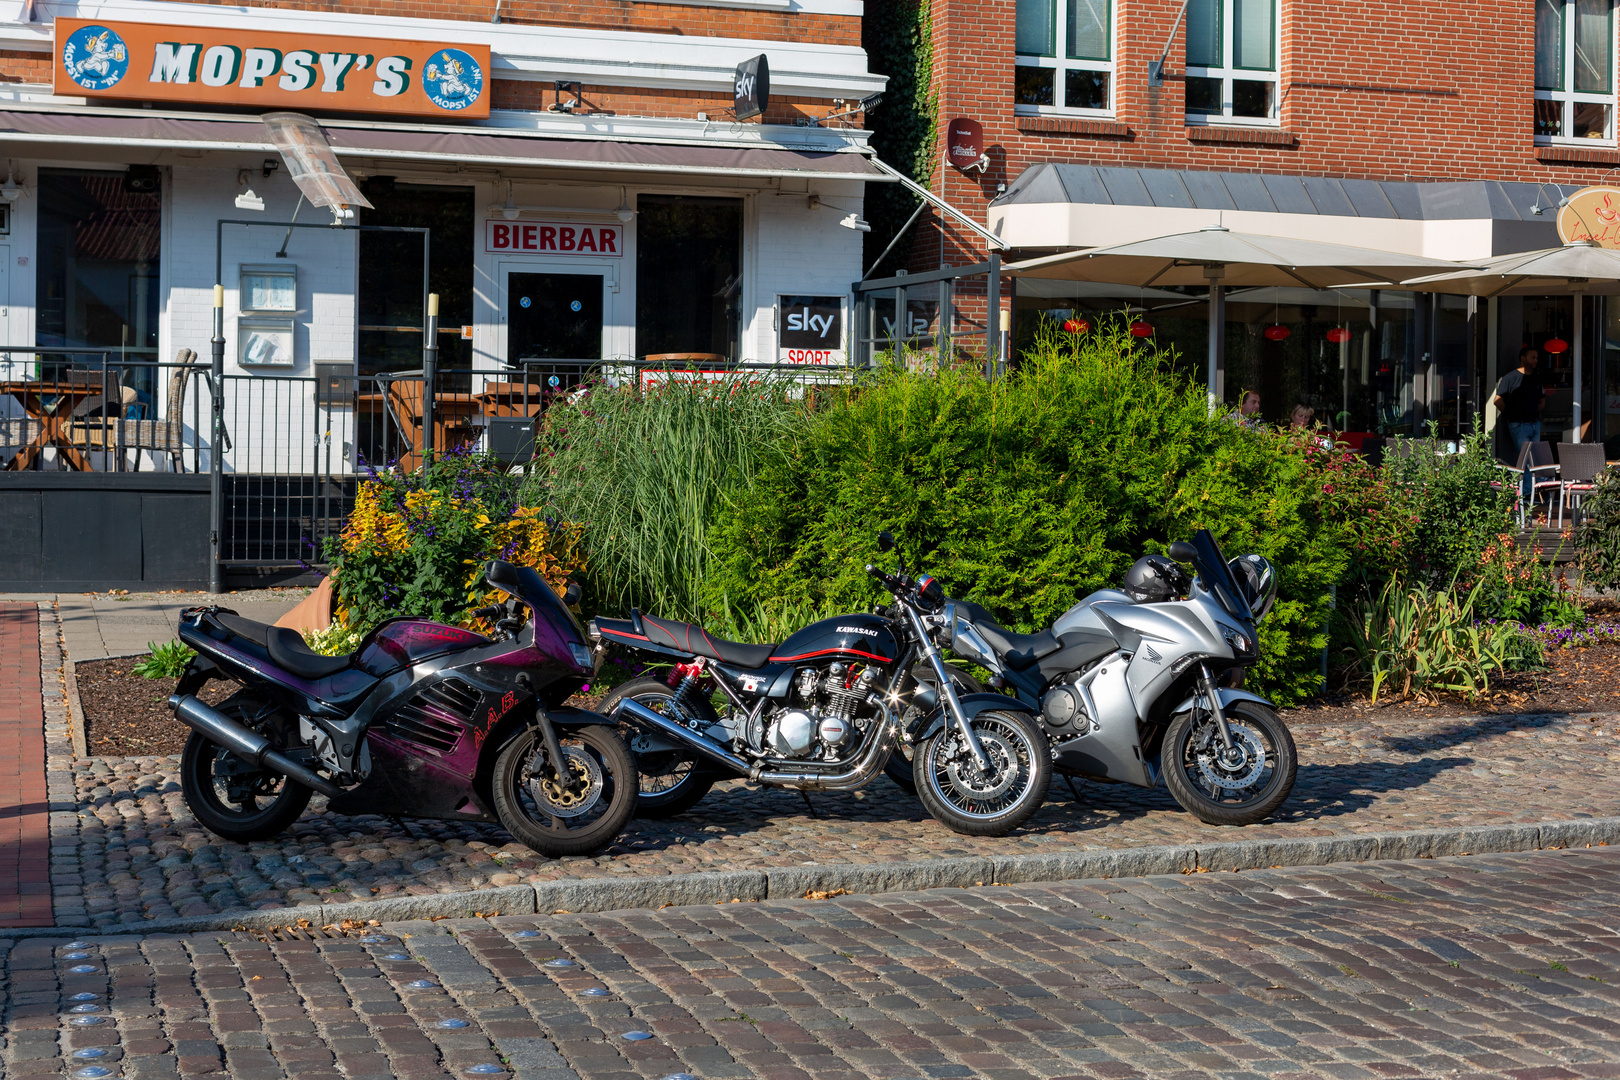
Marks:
<point>899,42</point>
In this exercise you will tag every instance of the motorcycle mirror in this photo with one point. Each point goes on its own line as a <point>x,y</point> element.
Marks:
<point>1181,551</point>
<point>886,541</point>
<point>571,594</point>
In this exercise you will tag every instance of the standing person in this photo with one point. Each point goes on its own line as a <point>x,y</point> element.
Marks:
<point>1518,401</point>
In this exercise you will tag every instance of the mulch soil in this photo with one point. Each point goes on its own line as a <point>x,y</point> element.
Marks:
<point>127,715</point>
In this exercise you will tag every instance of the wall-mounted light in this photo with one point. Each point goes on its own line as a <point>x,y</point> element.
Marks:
<point>246,199</point>
<point>855,221</point>
<point>10,191</point>
<point>624,213</point>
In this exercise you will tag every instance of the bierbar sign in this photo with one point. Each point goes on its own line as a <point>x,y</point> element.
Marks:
<point>269,70</point>
<point>553,238</point>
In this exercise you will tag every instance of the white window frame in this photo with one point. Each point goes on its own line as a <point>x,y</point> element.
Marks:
<point>1060,64</point>
<point>1569,98</point>
<point>1227,73</point>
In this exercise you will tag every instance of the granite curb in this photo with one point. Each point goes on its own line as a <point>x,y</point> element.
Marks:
<point>585,895</point>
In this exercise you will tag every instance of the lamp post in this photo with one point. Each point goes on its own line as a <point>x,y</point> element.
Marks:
<point>430,363</point>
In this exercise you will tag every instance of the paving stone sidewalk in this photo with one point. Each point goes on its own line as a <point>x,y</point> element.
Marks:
<point>1484,966</point>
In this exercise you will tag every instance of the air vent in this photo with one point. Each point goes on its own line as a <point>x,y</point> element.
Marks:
<point>436,716</point>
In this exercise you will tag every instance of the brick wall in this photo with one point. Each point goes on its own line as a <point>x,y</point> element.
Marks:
<point>1371,90</point>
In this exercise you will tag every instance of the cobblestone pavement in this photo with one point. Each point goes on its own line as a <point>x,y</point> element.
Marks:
<point>139,855</point>
<point>1488,966</point>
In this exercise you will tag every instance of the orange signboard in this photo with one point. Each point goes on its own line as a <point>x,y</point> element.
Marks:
<point>1592,213</point>
<point>270,70</point>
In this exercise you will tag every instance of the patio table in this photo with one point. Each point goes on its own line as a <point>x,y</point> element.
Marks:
<point>52,404</point>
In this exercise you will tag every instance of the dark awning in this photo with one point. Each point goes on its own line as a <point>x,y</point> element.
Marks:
<point>90,131</point>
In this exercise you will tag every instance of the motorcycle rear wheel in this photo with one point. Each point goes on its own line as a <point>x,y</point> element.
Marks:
<point>1218,793</point>
<point>672,781</point>
<point>985,804</point>
<point>555,822</point>
<point>233,798</point>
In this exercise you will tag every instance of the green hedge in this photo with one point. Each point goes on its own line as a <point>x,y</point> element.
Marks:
<point>1027,493</point>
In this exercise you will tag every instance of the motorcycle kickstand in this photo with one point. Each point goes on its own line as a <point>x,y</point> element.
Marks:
<point>1067,779</point>
<point>406,827</point>
<point>809,806</point>
<point>1214,697</point>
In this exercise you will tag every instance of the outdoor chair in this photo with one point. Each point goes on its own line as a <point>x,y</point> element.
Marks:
<point>1536,459</point>
<point>18,431</point>
<point>1579,466</point>
<point>165,436</point>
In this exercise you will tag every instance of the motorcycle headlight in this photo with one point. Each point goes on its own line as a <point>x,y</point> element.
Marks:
<point>1240,643</point>
<point>582,655</point>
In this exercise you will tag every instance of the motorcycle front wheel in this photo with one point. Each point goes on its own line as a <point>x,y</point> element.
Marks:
<point>234,798</point>
<point>672,781</point>
<point>555,819</point>
<point>899,768</point>
<point>990,802</point>
<point>1237,788</point>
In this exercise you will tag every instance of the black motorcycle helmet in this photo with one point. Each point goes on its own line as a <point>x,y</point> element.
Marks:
<point>1153,578</point>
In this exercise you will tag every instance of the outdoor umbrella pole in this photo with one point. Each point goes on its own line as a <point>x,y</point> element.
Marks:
<point>1580,305</point>
<point>1217,333</point>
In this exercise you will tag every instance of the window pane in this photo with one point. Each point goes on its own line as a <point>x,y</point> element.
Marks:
<point>98,257</point>
<point>1204,33</point>
<point>1085,89</point>
<point>1591,121</point>
<point>1204,96</point>
<point>1036,31</point>
<point>689,274</point>
<point>1251,98</point>
<point>1549,44</point>
<point>1033,86</point>
<point>1088,29</point>
<point>1549,118</point>
<point>1251,34</point>
<point>1594,45</point>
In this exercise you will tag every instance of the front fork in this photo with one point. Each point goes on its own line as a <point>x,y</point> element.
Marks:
<point>947,690</point>
<point>1212,694</point>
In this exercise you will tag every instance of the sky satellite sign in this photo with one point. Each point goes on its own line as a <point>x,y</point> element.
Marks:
<point>752,91</point>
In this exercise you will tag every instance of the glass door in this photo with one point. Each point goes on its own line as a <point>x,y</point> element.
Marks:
<point>553,317</point>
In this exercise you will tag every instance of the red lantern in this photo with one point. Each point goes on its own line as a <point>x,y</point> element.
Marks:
<point>1555,345</point>
<point>1276,332</point>
<point>1077,326</point>
<point>1338,335</point>
<point>1141,329</point>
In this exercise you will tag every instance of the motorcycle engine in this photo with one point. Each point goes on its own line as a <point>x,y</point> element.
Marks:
<point>822,723</point>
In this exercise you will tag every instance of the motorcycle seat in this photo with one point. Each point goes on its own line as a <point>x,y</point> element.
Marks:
<point>1018,650</point>
<point>288,652</point>
<point>684,637</point>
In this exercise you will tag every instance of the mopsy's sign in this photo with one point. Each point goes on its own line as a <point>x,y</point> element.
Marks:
<point>553,238</point>
<point>810,330</point>
<point>269,70</point>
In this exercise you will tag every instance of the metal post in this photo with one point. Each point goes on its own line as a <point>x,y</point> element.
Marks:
<point>1579,387</point>
<point>430,363</point>
<point>1217,335</point>
<point>216,461</point>
<point>992,316</point>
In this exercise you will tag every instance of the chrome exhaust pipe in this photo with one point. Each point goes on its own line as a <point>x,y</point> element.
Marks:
<point>638,715</point>
<point>858,775</point>
<point>221,730</point>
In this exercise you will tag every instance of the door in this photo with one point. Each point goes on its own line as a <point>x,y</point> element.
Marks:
<point>552,316</point>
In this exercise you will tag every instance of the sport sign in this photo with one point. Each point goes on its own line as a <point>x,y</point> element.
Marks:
<point>810,330</point>
<point>553,238</point>
<point>269,70</point>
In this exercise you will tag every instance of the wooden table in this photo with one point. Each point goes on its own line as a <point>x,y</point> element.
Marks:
<point>52,404</point>
<point>508,398</point>
<point>452,416</point>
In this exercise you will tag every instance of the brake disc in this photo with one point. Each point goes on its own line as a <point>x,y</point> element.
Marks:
<point>1224,775</point>
<point>554,799</point>
<point>969,779</point>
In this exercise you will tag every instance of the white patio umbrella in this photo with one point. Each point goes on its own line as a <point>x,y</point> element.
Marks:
<point>1217,257</point>
<point>1576,269</point>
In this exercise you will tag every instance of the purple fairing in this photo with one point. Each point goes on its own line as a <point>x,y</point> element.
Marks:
<point>403,642</point>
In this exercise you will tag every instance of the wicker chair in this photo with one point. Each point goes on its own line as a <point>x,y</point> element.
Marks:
<point>1579,466</point>
<point>18,431</point>
<point>166,436</point>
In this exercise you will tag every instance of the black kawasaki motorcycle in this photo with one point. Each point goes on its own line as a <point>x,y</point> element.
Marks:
<point>826,710</point>
<point>423,720</point>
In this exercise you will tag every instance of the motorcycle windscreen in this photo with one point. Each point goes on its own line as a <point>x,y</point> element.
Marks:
<point>527,585</point>
<point>1218,576</point>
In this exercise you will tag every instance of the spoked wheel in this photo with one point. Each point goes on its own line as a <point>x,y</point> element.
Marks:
<point>990,802</point>
<point>234,798</point>
<point>566,819</point>
<point>672,780</point>
<point>899,767</point>
<point>1236,787</point>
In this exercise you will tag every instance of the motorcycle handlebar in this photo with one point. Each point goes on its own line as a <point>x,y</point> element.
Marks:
<point>492,612</point>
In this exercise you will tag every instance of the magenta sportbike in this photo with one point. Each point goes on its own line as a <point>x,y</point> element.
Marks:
<point>422,720</point>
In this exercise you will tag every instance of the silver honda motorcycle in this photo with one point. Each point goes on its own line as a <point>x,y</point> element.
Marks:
<point>1132,691</point>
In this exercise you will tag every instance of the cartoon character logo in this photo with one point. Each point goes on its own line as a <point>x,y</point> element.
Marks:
<point>95,57</point>
<point>452,80</point>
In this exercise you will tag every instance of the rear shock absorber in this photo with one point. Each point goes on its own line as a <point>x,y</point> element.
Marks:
<point>687,681</point>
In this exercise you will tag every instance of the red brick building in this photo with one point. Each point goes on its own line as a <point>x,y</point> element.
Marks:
<point>1418,128</point>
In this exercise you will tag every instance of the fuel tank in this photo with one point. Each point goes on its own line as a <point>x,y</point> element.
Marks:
<point>402,642</point>
<point>851,638</point>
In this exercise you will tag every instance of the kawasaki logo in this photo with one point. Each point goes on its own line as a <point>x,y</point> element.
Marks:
<point>857,630</point>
